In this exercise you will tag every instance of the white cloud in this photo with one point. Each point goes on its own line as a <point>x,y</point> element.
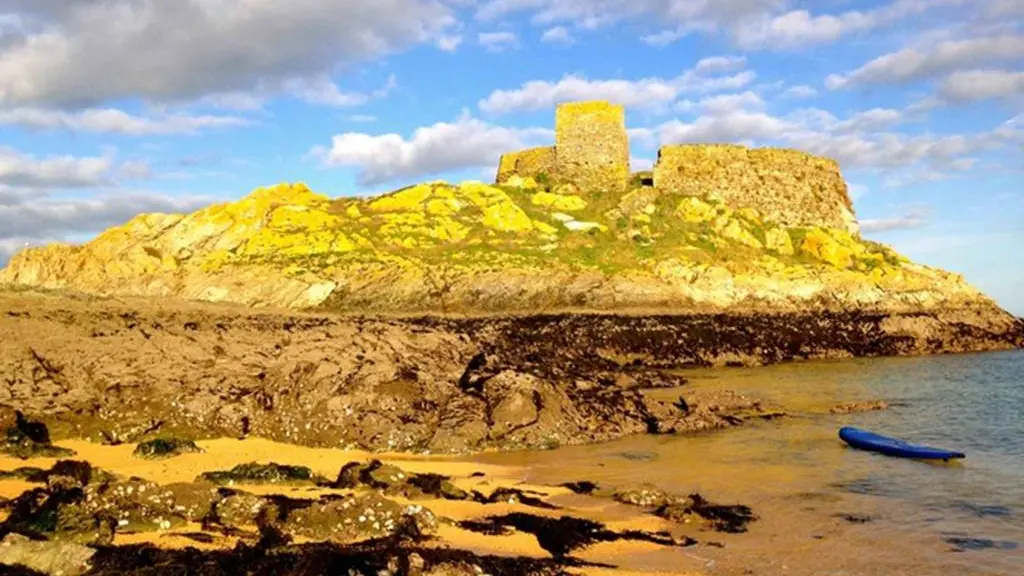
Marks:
<point>719,64</point>
<point>914,217</point>
<point>447,43</point>
<point>723,103</point>
<point>734,126</point>
<point>646,92</point>
<point>111,120</point>
<point>135,170</point>
<point>26,171</point>
<point>465,143</point>
<point>322,90</point>
<point>498,41</point>
<point>913,64</point>
<point>48,217</point>
<point>971,85</point>
<point>589,14</point>
<point>749,23</point>
<point>238,101</point>
<point>800,91</point>
<point>800,27</point>
<point>557,35</point>
<point>88,52</point>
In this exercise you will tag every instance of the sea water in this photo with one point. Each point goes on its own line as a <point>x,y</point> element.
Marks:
<point>826,509</point>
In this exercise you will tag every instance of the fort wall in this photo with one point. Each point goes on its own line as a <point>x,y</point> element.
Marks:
<point>790,187</point>
<point>591,145</point>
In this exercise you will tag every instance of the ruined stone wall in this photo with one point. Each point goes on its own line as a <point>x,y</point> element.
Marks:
<point>591,145</point>
<point>529,162</point>
<point>790,187</point>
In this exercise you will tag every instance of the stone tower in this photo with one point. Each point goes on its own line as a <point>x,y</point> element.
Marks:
<point>591,145</point>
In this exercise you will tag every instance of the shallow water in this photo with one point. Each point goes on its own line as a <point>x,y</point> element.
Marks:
<point>923,519</point>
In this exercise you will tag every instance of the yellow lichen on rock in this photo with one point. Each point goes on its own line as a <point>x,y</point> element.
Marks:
<point>558,201</point>
<point>737,233</point>
<point>501,213</point>
<point>517,181</point>
<point>823,246</point>
<point>302,218</point>
<point>694,210</point>
<point>778,240</point>
<point>411,198</point>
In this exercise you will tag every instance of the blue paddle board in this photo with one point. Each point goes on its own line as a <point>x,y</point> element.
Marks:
<point>865,440</point>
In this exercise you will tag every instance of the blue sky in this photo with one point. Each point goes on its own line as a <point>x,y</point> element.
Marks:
<point>112,107</point>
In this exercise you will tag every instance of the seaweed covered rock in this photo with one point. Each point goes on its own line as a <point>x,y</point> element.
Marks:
<point>44,556</point>
<point>349,518</point>
<point>272,473</point>
<point>392,480</point>
<point>27,438</point>
<point>693,509</point>
<point>165,448</point>
<point>58,514</point>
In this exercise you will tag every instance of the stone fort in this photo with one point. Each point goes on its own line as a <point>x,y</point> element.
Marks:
<point>591,150</point>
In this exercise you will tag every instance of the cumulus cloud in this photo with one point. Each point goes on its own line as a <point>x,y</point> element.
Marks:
<point>89,52</point>
<point>645,92</point>
<point>45,217</point>
<point>557,35</point>
<point>749,23</point>
<point>23,170</point>
<point>110,120</point>
<point>800,27</point>
<point>971,85</point>
<point>498,41</point>
<point>465,143</point>
<point>912,64</point>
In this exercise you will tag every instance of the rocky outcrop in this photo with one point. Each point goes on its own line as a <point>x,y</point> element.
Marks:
<point>476,248</point>
<point>131,371</point>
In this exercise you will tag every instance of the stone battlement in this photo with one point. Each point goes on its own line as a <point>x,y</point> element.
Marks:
<point>591,150</point>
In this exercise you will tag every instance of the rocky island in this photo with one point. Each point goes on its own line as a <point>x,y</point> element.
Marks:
<point>533,312</point>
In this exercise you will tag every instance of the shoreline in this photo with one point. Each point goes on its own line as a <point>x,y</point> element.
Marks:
<point>251,386</point>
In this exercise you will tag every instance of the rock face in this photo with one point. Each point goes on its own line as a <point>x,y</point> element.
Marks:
<point>130,371</point>
<point>789,187</point>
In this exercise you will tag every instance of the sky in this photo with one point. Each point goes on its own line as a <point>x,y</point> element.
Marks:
<point>109,108</point>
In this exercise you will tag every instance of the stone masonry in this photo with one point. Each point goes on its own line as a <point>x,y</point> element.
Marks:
<point>591,149</point>
<point>591,145</point>
<point>790,187</point>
